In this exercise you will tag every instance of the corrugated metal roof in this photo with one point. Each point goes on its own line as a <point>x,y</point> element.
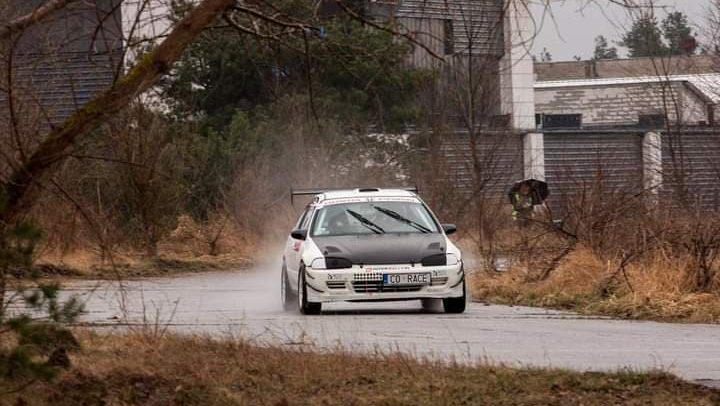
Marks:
<point>708,84</point>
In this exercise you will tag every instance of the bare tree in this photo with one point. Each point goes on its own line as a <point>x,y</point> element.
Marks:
<point>20,186</point>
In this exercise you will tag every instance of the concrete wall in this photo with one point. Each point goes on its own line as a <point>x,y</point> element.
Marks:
<point>622,104</point>
<point>516,67</point>
<point>616,68</point>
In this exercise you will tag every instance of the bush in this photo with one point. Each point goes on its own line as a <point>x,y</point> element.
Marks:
<point>36,343</point>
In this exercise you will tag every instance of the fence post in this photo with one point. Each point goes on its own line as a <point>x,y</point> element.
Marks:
<point>652,164</point>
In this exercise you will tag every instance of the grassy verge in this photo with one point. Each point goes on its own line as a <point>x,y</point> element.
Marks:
<point>647,291</point>
<point>132,267</point>
<point>136,369</point>
<point>189,248</point>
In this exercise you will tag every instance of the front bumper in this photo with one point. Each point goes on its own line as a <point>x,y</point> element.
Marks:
<point>366,283</point>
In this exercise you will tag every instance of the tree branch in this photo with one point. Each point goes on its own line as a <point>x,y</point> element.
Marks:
<point>40,13</point>
<point>19,193</point>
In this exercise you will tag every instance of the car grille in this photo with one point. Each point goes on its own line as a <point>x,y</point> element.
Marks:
<point>335,284</point>
<point>367,282</point>
<point>377,286</point>
<point>369,276</point>
<point>373,282</point>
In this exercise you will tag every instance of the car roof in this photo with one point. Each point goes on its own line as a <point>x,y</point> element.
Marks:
<point>363,193</point>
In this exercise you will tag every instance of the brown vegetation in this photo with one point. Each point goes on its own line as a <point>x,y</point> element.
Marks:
<point>615,254</point>
<point>139,369</point>
<point>655,289</point>
<point>189,247</point>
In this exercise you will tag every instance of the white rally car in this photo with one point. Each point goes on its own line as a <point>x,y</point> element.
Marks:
<point>370,245</point>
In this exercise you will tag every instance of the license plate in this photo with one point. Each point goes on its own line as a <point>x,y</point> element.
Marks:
<point>406,279</point>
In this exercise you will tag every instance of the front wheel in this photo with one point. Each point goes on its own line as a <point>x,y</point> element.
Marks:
<point>289,302</point>
<point>455,304</point>
<point>429,305</point>
<point>307,308</point>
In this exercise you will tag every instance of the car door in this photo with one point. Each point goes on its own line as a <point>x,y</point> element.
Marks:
<point>293,248</point>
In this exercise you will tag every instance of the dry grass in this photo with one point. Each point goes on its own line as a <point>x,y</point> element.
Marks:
<point>187,249</point>
<point>86,265</point>
<point>654,289</point>
<point>140,370</point>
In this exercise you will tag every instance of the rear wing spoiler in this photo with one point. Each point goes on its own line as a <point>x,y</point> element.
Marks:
<point>313,192</point>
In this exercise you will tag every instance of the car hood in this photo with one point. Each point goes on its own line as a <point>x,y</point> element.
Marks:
<point>378,249</point>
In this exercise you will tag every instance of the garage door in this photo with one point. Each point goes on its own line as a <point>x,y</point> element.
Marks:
<point>576,161</point>
<point>497,164</point>
<point>691,169</point>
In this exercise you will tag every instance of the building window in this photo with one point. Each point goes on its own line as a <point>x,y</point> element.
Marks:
<point>562,120</point>
<point>448,37</point>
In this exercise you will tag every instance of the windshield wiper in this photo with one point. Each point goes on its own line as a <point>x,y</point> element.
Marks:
<point>367,223</point>
<point>400,218</point>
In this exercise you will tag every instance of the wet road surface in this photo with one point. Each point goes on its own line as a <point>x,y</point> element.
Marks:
<point>247,304</point>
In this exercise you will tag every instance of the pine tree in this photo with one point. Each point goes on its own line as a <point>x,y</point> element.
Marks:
<point>603,50</point>
<point>678,34</point>
<point>37,340</point>
<point>645,38</point>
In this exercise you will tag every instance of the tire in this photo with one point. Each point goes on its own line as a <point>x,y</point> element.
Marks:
<point>289,301</point>
<point>455,304</point>
<point>306,308</point>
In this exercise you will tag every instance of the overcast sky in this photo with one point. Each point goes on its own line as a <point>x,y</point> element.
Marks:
<point>576,23</point>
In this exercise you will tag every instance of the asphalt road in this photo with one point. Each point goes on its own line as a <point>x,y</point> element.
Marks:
<point>246,303</point>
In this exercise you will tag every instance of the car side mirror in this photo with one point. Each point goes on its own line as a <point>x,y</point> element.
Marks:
<point>449,228</point>
<point>299,234</point>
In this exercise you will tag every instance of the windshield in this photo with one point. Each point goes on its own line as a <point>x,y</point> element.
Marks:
<point>373,218</point>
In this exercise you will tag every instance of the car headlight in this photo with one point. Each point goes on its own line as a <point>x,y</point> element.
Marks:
<point>331,263</point>
<point>440,260</point>
<point>318,263</point>
<point>338,263</point>
<point>434,260</point>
